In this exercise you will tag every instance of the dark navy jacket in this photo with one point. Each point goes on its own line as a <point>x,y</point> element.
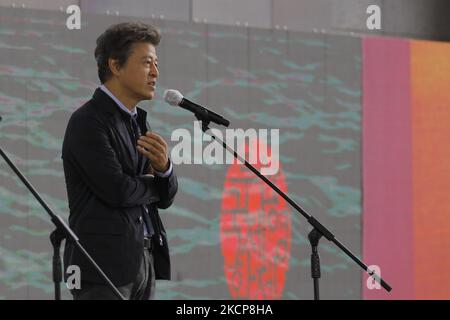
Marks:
<point>107,187</point>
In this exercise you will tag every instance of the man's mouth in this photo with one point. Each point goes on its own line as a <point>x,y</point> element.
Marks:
<point>152,83</point>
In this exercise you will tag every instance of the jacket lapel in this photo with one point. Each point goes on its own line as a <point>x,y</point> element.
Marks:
<point>117,121</point>
<point>144,127</point>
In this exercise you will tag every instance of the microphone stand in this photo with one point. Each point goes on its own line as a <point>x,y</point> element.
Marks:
<point>55,238</point>
<point>62,231</point>
<point>318,230</point>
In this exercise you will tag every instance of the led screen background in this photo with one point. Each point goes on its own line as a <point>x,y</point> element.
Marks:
<point>352,114</point>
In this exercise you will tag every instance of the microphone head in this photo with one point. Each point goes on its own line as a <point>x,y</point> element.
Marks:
<point>173,97</point>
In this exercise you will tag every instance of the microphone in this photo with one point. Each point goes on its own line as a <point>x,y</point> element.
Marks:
<point>175,98</point>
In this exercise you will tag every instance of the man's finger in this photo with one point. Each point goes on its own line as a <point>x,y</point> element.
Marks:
<point>156,137</point>
<point>154,159</point>
<point>151,155</point>
<point>152,140</point>
<point>151,145</point>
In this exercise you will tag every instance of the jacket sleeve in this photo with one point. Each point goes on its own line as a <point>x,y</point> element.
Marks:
<point>167,188</point>
<point>89,149</point>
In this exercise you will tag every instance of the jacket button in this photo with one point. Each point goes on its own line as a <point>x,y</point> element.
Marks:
<point>140,220</point>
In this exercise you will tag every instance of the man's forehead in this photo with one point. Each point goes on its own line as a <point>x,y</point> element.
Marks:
<point>145,50</point>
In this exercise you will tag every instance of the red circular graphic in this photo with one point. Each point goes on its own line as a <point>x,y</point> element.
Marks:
<point>255,230</point>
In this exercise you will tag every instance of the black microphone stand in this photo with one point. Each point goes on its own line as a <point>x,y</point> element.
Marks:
<point>62,231</point>
<point>314,237</point>
<point>318,230</point>
<point>56,238</point>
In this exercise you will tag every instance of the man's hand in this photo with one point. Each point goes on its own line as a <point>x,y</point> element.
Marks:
<point>155,150</point>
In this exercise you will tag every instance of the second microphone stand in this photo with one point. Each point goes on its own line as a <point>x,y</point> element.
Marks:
<point>62,231</point>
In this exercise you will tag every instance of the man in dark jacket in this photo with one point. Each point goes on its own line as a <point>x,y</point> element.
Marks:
<point>118,172</point>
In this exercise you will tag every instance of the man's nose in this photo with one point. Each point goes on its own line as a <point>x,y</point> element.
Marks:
<point>154,72</point>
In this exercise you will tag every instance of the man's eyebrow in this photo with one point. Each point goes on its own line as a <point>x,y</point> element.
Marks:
<point>151,57</point>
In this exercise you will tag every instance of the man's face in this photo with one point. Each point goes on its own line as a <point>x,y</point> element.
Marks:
<point>139,73</point>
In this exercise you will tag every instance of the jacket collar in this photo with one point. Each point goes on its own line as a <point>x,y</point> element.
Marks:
<point>108,105</point>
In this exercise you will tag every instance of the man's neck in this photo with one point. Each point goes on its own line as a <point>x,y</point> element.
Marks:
<point>119,93</point>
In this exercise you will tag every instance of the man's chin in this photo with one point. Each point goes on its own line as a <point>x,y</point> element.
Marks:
<point>148,96</point>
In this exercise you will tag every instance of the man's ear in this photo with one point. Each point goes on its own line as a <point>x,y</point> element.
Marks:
<point>113,65</point>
